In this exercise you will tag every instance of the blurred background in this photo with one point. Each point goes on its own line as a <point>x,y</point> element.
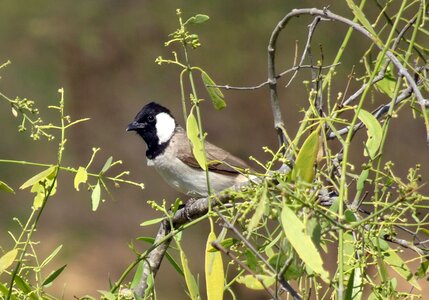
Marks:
<point>102,52</point>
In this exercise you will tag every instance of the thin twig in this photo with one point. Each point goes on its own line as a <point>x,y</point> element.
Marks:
<point>282,282</point>
<point>218,246</point>
<point>258,86</point>
<point>307,47</point>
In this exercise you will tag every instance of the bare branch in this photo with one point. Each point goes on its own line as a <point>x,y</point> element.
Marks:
<point>255,87</point>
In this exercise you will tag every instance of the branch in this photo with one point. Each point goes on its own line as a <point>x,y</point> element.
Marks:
<point>258,86</point>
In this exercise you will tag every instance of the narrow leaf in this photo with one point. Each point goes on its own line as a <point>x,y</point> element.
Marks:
<point>53,276</point>
<point>354,286</point>
<point>259,212</point>
<point>151,222</point>
<point>138,275</point>
<point>374,132</point>
<point>7,259</point>
<point>254,283</point>
<point>214,271</point>
<point>304,164</point>
<point>6,188</point>
<point>51,256</point>
<point>189,278</point>
<point>81,177</point>
<point>95,196</point>
<point>38,177</point>
<point>25,287</point>
<point>215,93</point>
<point>358,13</point>
<point>395,261</point>
<point>107,165</point>
<point>295,232</point>
<point>108,295</point>
<point>193,134</point>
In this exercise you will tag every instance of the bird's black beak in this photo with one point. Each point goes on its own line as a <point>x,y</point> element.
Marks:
<point>135,125</point>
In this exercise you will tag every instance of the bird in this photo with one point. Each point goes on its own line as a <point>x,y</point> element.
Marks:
<point>169,151</point>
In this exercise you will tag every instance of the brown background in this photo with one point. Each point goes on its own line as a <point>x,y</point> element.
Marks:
<point>102,53</point>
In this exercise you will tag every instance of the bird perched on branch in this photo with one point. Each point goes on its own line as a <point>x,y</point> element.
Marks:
<point>170,152</point>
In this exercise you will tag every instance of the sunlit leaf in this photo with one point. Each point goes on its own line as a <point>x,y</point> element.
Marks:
<point>304,164</point>
<point>198,19</point>
<point>39,177</point>
<point>216,95</point>
<point>7,259</point>
<point>361,180</point>
<point>374,132</point>
<point>392,258</point>
<point>107,295</point>
<point>355,285</point>
<point>51,256</point>
<point>53,276</point>
<point>80,177</point>
<point>6,188</point>
<point>193,134</point>
<point>152,221</point>
<point>302,243</point>
<point>214,271</point>
<point>257,215</point>
<point>107,165</point>
<point>137,275</point>
<point>254,283</point>
<point>358,13</point>
<point>95,196</point>
<point>189,278</point>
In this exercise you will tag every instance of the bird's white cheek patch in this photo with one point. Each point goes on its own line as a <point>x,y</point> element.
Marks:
<point>165,126</point>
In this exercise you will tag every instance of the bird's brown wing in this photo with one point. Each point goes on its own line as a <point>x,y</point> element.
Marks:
<point>219,160</point>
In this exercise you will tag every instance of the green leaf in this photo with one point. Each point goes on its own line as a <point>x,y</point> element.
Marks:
<point>358,13</point>
<point>25,287</point>
<point>189,278</point>
<point>7,259</point>
<point>4,291</point>
<point>214,271</point>
<point>387,85</point>
<point>254,283</point>
<point>53,276</point>
<point>95,196</point>
<point>81,177</point>
<point>138,275</point>
<point>193,134</point>
<point>216,95</point>
<point>39,177</point>
<point>294,230</point>
<point>304,164</point>
<point>198,19</point>
<point>422,270</point>
<point>361,180</point>
<point>374,132</point>
<point>107,165</point>
<point>6,188</point>
<point>108,295</point>
<point>391,258</point>
<point>354,286</point>
<point>259,212</point>
<point>152,221</point>
<point>350,216</point>
<point>51,256</point>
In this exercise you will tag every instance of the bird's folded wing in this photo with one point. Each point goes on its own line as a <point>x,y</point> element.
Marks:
<point>218,159</point>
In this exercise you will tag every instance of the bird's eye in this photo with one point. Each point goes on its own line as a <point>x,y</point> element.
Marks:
<point>150,118</point>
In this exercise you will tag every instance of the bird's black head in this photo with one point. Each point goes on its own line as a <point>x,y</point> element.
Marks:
<point>156,125</point>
